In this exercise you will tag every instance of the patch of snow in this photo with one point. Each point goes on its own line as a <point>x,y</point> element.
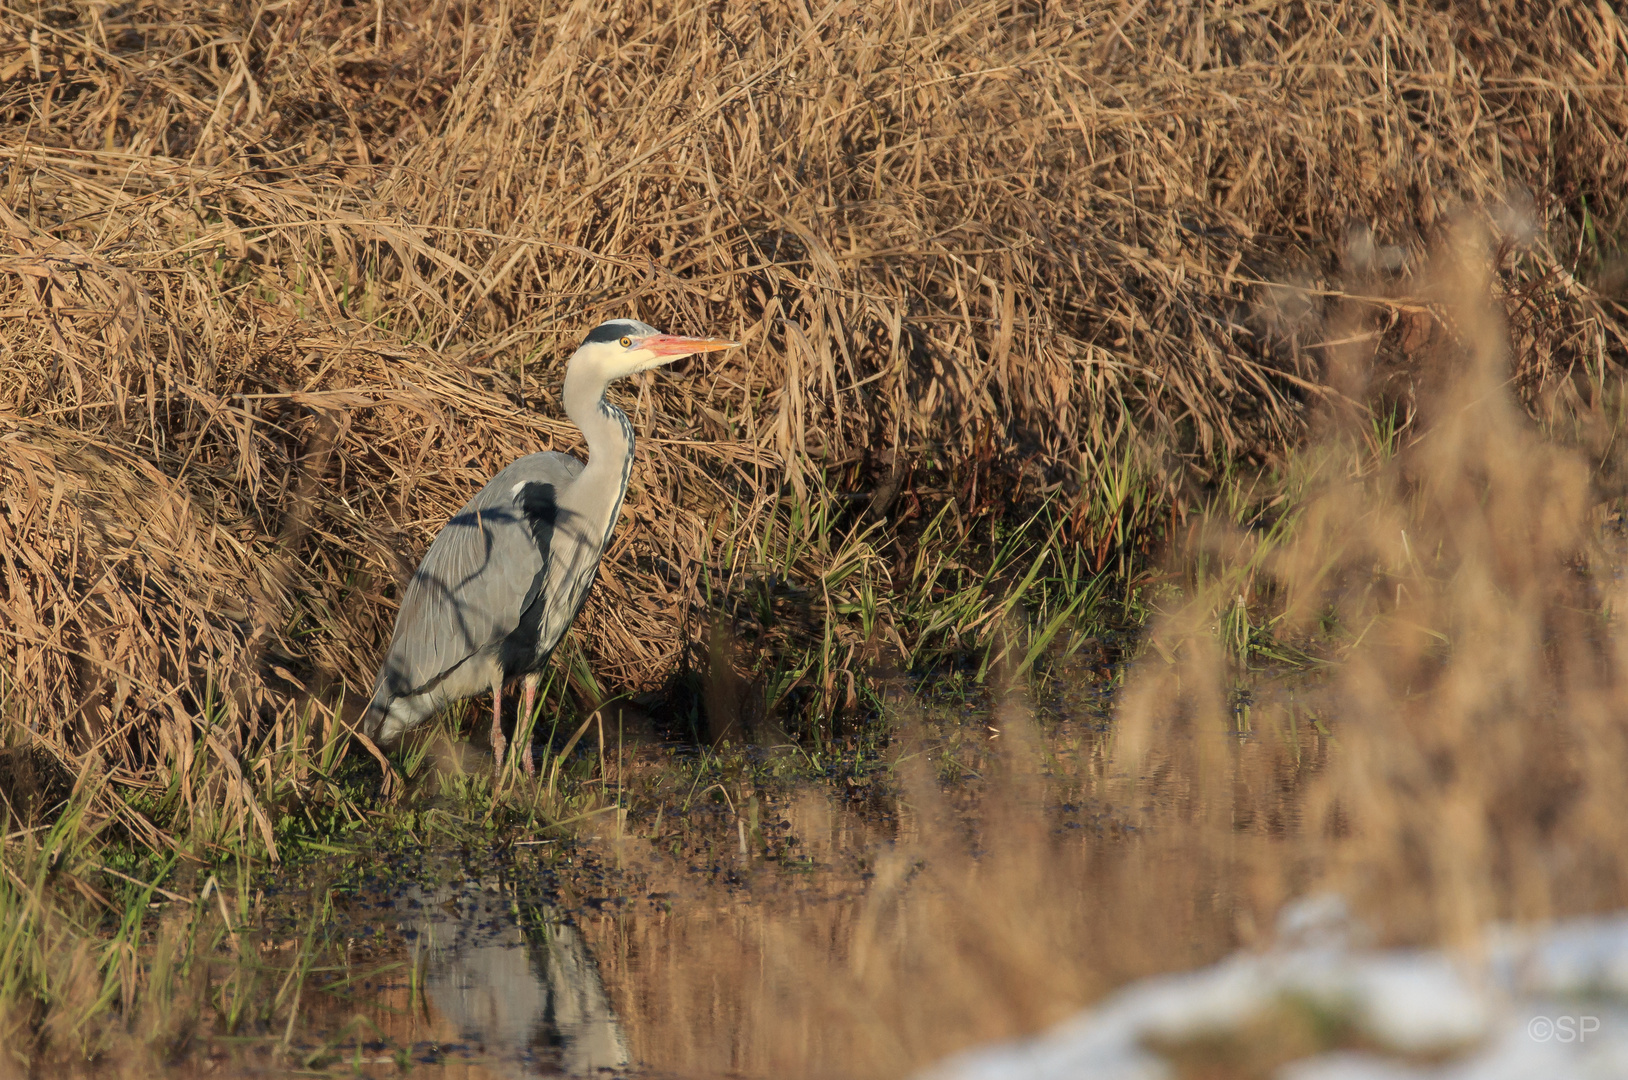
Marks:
<point>1582,957</point>
<point>1544,1005</point>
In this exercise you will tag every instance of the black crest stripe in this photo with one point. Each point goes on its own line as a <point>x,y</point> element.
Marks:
<point>611,331</point>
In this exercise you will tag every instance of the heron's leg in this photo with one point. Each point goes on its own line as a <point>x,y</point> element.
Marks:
<point>531,681</point>
<point>497,725</point>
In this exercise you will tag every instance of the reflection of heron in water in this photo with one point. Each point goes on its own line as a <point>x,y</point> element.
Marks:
<point>536,1004</point>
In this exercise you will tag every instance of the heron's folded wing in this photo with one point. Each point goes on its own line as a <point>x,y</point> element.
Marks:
<point>467,593</point>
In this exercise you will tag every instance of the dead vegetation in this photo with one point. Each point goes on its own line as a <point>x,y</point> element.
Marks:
<point>286,281</point>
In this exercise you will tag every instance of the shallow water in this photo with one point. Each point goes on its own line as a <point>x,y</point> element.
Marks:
<point>866,924</point>
<point>866,907</point>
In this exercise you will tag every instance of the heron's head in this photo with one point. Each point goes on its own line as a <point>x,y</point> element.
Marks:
<point>624,347</point>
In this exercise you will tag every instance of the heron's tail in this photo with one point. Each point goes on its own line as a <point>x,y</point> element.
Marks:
<point>390,714</point>
<point>373,718</point>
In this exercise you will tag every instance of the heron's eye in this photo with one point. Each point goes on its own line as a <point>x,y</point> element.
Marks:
<point>627,343</point>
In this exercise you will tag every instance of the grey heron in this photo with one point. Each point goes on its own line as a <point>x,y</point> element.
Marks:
<point>502,581</point>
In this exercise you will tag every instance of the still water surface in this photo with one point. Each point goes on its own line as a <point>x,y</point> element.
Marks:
<point>866,927</point>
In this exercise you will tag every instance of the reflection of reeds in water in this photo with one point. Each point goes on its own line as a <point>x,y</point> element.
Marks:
<point>1461,582</point>
<point>902,945</point>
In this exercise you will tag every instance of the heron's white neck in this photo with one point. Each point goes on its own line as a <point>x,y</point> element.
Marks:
<point>605,427</point>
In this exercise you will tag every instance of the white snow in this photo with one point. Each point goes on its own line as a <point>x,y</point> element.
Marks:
<point>1546,1004</point>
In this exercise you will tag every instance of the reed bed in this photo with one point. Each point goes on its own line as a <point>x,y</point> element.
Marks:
<point>287,280</point>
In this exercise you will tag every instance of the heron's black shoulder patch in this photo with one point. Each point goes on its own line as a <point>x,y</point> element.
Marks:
<point>537,502</point>
<point>616,330</point>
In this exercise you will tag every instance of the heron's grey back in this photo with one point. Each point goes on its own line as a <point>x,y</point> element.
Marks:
<point>469,593</point>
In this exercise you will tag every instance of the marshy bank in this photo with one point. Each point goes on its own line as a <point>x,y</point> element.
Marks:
<point>1112,353</point>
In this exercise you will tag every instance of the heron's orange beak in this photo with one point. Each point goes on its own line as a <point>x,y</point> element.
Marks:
<point>674,346</point>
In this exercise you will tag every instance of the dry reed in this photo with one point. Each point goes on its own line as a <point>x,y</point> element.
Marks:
<point>287,280</point>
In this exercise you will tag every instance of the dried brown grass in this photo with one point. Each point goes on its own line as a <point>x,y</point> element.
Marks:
<point>287,280</point>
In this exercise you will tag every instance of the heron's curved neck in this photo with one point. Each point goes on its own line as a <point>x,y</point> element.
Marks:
<point>604,426</point>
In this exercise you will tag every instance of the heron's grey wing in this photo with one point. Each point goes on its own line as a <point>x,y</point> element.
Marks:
<point>467,595</point>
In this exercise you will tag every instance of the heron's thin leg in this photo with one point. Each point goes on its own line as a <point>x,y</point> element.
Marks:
<point>531,682</point>
<point>497,725</point>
